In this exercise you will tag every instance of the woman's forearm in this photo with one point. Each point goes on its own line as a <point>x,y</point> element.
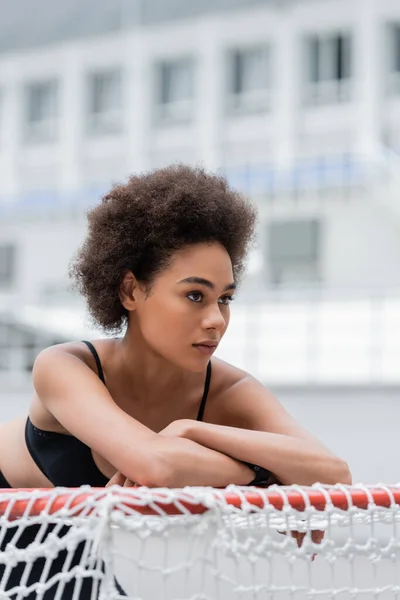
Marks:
<point>292,460</point>
<point>183,462</point>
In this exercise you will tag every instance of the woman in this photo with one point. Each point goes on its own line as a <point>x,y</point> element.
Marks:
<point>163,257</point>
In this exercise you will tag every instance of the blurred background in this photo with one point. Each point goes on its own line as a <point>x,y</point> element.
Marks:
<point>297,102</point>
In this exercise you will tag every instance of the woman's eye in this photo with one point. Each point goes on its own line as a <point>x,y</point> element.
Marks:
<point>195,296</point>
<point>226,299</point>
<point>198,297</point>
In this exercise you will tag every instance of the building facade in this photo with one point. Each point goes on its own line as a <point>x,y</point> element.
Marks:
<point>297,102</point>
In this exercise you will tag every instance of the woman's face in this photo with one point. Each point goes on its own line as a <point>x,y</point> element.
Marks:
<point>187,311</point>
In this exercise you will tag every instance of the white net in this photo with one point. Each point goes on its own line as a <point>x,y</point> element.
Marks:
<point>200,543</point>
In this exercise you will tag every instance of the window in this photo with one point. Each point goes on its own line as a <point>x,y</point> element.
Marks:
<point>175,91</point>
<point>249,79</point>
<point>1,112</point>
<point>396,48</point>
<point>105,103</point>
<point>394,58</point>
<point>41,111</point>
<point>294,253</point>
<point>7,265</point>
<point>328,72</point>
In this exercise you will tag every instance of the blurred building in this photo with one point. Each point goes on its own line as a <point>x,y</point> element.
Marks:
<point>296,101</point>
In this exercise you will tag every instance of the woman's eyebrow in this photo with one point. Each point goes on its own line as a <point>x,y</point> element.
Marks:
<point>207,283</point>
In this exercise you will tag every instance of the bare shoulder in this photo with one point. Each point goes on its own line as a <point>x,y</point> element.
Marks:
<point>228,391</point>
<point>225,376</point>
<point>79,350</point>
<point>242,401</point>
<point>53,364</point>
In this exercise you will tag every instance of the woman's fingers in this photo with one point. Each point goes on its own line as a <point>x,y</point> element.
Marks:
<point>117,479</point>
<point>129,483</point>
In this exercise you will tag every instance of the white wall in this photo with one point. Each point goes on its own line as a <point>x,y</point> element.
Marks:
<point>361,426</point>
<point>362,246</point>
<point>360,240</point>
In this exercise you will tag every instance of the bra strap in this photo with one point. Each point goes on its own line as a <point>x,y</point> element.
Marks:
<point>205,393</point>
<point>97,359</point>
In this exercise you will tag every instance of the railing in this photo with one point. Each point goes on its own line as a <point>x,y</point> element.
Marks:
<point>50,203</point>
<point>334,91</point>
<point>343,174</point>
<point>346,174</point>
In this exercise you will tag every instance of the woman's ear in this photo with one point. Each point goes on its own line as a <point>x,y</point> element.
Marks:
<point>127,290</point>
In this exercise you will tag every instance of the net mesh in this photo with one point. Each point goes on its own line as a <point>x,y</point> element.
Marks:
<point>200,543</point>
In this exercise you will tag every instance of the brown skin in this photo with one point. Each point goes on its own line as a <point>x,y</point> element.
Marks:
<point>155,379</point>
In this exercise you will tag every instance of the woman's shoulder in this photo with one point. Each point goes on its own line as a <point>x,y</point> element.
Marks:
<point>53,365</point>
<point>51,361</point>
<point>225,378</point>
<point>86,352</point>
<point>237,394</point>
<point>225,375</point>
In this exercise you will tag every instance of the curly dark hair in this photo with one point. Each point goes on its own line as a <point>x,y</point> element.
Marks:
<point>139,225</point>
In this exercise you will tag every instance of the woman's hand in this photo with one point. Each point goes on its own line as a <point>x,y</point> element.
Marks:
<point>180,428</point>
<point>119,479</point>
<point>175,429</point>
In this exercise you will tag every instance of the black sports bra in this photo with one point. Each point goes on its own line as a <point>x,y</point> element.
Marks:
<point>68,462</point>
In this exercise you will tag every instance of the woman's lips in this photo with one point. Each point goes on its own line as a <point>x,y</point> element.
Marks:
<point>208,349</point>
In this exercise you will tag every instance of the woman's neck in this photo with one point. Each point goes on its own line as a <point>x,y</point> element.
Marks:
<point>140,369</point>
